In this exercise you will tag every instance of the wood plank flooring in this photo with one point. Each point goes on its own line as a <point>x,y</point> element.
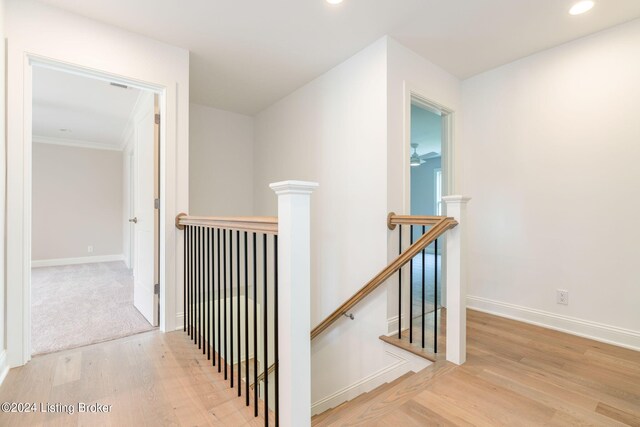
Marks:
<point>516,375</point>
<point>149,379</point>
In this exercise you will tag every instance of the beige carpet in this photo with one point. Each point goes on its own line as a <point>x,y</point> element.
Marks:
<point>77,305</point>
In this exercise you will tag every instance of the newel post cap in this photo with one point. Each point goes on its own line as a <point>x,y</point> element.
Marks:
<point>456,199</point>
<point>293,187</point>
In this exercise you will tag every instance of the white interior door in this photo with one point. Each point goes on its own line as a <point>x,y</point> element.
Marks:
<point>132,210</point>
<point>145,298</point>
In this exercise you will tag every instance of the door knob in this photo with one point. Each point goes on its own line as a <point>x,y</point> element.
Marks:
<point>133,220</point>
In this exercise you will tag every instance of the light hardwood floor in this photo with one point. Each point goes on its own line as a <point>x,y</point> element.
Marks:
<point>516,375</point>
<point>150,379</point>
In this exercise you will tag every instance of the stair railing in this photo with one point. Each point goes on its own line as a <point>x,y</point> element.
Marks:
<point>240,275</point>
<point>456,292</point>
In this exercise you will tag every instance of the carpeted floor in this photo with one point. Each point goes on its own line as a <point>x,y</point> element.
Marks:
<point>77,305</point>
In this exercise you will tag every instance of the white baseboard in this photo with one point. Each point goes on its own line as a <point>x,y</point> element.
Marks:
<point>404,362</point>
<point>584,328</point>
<point>74,261</point>
<point>392,325</point>
<point>4,366</point>
<point>179,321</point>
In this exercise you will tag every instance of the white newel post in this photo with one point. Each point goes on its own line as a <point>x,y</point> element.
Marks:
<point>294,303</point>
<point>456,281</point>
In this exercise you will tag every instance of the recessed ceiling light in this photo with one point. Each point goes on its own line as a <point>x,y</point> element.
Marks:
<point>581,7</point>
<point>334,1</point>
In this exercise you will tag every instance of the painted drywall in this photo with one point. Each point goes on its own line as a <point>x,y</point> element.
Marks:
<point>46,32</point>
<point>333,131</point>
<point>220,162</point>
<point>410,74</point>
<point>77,202</point>
<point>550,149</point>
<point>3,357</point>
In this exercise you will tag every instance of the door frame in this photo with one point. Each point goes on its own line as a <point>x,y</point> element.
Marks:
<point>448,145</point>
<point>447,163</point>
<point>19,200</point>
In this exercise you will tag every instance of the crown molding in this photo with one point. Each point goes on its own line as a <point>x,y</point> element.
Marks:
<point>75,143</point>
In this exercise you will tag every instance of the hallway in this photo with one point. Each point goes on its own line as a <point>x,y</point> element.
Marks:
<point>149,379</point>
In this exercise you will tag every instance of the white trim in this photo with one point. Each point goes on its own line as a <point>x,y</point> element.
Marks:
<point>4,366</point>
<point>74,261</point>
<point>448,142</point>
<point>179,321</point>
<point>404,362</point>
<point>583,328</point>
<point>293,187</point>
<point>56,65</point>
<point>392,324</point>
<point>173,187</point>
<point>74,143</point>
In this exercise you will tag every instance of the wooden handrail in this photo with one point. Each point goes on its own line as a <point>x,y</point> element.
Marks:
<point>439,227</point>
<point>261,376</point>
<point>393,220</point>
<point>254,224</point>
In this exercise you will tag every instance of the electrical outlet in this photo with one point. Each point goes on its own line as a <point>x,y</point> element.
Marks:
<point>562,297</point>
<point>90,249</point>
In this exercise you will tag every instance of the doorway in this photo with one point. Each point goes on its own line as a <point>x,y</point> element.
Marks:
<point>95,183</point>
<point>428,146</point>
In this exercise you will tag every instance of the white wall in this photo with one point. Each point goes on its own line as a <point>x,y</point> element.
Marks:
<point>46,32</point>
<point>3,360</point>
<point>333,131</point>
<point>551,150</point>
<point>220,162</point>
<point>409,73</point>
<point>77,202</point>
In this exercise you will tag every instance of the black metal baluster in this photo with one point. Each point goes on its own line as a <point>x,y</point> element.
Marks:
<point>246,318</point>
<point>192,284</point>
<point>275,327</point>
<point>187,269</point>
<point>224,305</point>
<point>435,297</point>
<point>255,328</point>
<point>203,286</point>
<point>400,284</point>
<point>411,289</point>
<point>184,290</point>
<point>423,269</point>
<point>265,330</point>
<point>198,296</point>
<point>207,233</point>
<point>219,302</point>
<point>231,303</point>
<point>212,236</point>
<point>239,335</point>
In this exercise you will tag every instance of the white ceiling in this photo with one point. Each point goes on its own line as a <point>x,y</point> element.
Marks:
<point>247,54</point>
<point>94,112</point>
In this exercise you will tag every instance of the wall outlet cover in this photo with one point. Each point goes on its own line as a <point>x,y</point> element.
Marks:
<point>562,297</point>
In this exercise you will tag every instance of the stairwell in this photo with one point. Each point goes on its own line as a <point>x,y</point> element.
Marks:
<point>389,397</point>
